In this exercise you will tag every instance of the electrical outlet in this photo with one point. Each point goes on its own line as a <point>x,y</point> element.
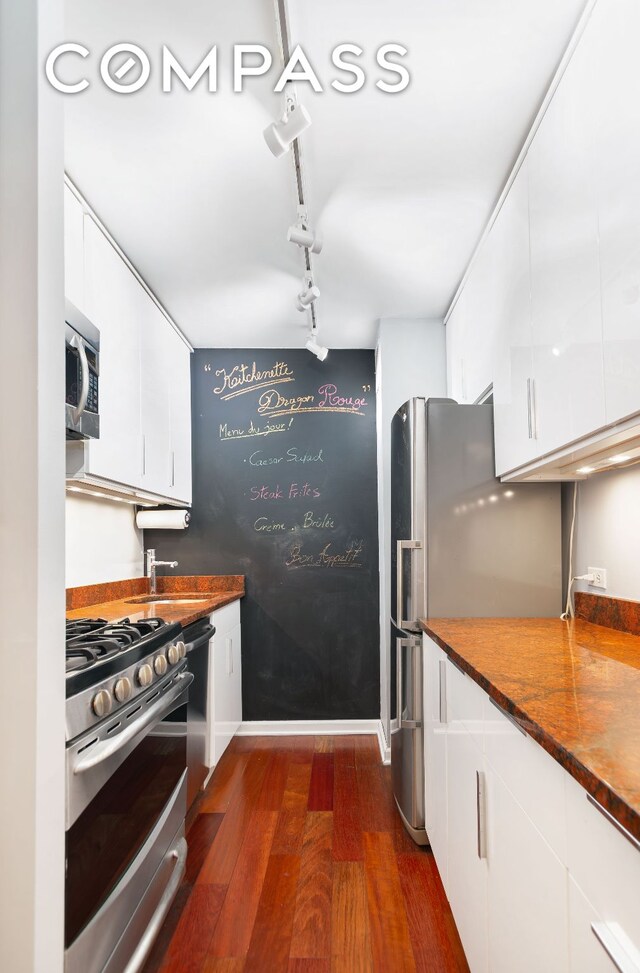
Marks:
<point>599,577</point>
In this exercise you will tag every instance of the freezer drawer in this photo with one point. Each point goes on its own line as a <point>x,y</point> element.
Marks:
<point>407,738</point>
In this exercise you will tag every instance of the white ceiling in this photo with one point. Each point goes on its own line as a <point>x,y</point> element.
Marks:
<point>401,186</point>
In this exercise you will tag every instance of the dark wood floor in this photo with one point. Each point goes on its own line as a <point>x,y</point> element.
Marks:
<point>298,862</point>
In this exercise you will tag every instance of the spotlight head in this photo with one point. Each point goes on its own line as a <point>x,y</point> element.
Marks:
<point>307,296</point>
<point>304,237</point>
<point>280,135</point>
<point>316,349</point>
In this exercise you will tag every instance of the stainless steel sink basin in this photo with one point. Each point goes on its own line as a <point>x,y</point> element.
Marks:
<point>165,600</point>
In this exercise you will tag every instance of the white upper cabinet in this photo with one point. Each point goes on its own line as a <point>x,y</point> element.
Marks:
<point>565,276</point>
<point>73,250</point>
<point>111,292</point>
<point>513,372</point>
<point>616,28</point>
<point>145,372</point>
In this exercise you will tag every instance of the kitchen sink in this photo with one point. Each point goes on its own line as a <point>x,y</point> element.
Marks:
<point>165,600</point>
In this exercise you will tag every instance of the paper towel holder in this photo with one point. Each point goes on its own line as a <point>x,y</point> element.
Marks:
<point>171,519</point>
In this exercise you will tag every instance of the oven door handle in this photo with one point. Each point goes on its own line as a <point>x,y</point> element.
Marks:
<point>205,636</point>
<point>77,343</point>
<point>179,854</point>
<point>154,714</point>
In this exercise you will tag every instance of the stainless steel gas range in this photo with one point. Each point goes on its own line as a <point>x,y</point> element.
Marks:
<point>126,782</point>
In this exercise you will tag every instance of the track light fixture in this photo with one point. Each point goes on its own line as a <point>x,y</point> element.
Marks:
<point>280,135</point>
<point>307,295</point>
<point>302,235</point>
<point>318,350</point>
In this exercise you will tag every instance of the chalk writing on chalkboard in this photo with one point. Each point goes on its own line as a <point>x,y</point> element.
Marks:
<point>328,399</point>
<point>293,455</point>
<point>251,430</point>
<point>243,378</point>
<point>326,558</point>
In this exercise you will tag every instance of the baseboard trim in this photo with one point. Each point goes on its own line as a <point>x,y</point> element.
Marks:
<point>267,728</point>
<point>271,728</point>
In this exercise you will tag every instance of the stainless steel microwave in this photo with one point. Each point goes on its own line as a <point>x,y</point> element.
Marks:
<point>82,351</point>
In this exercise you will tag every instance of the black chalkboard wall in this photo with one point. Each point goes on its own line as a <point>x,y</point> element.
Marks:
<point>285,492</point>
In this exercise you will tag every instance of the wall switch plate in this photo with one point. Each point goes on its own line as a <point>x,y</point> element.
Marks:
<point>599,577</point>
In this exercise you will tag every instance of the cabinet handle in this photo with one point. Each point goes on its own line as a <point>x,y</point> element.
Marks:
<point>610,818</point>
<point>144,454</point>
<point>508,716</point>
<point>229,644</point>
<point>481,814</point>
<point>442,666</point>
<point>173,468</point>
<point>529,415</point>
<point>614,941</point>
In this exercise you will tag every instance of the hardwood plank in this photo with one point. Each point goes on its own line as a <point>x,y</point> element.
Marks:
<point>309,966</point>
<point>275,779</point>
<point>436,943</point>
<point>220,862</point>
<point>321,786</point>
<point>376,802</point>
<point>200,838</point>
<point>224,782</point>
<point>390,939</point>
<point>350,937</point>
<point>367,750</point>
<point>227,964</point>
<point>289,832</point>
<point>347,816</point>
<point>296,791</point>
<point>324,744</point>
<point>311,937</point>
<point>271,938</point>
<point>233,932</point>
<point>197,923</point>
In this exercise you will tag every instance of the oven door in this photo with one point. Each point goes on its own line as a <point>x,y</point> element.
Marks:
<point>126,851</point>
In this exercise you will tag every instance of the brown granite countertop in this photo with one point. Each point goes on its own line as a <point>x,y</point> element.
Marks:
<point>573,686</point>
<point>120,599</point>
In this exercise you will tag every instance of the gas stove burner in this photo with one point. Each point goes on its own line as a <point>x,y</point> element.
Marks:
<point>80,626</point>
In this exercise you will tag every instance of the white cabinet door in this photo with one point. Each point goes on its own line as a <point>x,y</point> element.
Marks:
<point>466,870</point>
<point>616,27</point>
<point>565,272</point>
<point>513,372</point>
<point>527,895</point>
<point>110,296</point>
<point>156,368</point>
<point>180,416</point>
<point>225,680</point>
<point>586,953</point>
<point>73,250</point>
<point>435,745</point>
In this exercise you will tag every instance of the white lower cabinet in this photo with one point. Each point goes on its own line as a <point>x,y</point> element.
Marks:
<point>538,878</point>
<point>225,681</point>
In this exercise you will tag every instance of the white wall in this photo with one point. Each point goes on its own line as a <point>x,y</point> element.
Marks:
<point>32,704</point>
<point>102,541</point>
<point>411,361</point>
<point>607,533</point>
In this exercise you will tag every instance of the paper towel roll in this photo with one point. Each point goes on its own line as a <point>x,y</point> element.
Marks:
<point>163,519</point>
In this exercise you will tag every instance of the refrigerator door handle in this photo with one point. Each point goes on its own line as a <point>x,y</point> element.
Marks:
<point>402,546</point>
<point>400,645</point>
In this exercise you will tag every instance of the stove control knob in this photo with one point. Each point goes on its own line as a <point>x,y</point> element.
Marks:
<point>102,703</point>
<point>182,649</point>
<point>123,689</point>
<point>173,654</point>
<point>145,675</point>
<point>160,664</point>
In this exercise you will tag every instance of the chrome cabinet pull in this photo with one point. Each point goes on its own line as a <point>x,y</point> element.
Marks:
<point>610,818</point>
<point>442,666</point>
<point>614,941</point>
<point>173,468</point>
<point>144,454</point>
<point>529,415</point>
<point>481,814</point>
<point>400,547</point>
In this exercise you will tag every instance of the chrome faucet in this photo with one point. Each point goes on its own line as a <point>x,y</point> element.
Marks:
<point>152,564</point>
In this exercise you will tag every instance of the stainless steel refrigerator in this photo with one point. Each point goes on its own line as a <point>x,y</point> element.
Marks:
<point>462,545</point>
